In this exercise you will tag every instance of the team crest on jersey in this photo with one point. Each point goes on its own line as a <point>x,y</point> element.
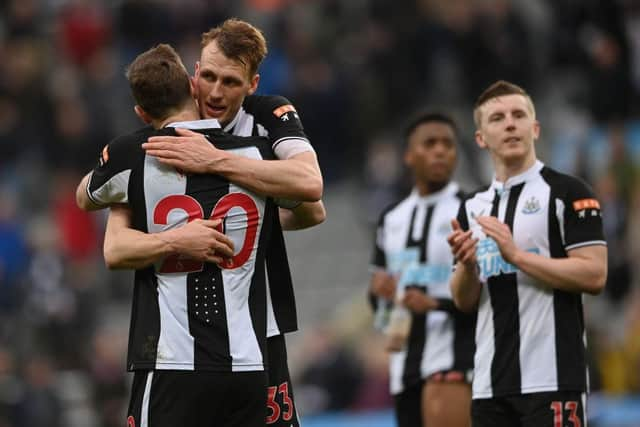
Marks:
<point>531,206</point>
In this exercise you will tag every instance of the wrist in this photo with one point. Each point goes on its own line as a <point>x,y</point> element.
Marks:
<point>221,164</point>
<point>167,240</point>
<point>517,258</point>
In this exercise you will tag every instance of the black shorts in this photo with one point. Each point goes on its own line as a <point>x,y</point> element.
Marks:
<point>281,411</point>
<point>197,399</point>
<point>408,406</point>
<point>546,409</point>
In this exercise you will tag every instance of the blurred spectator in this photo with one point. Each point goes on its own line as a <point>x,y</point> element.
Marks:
<point>331,378</point>
<point>111,385</point>
<point>84,28</point>
<point>11,390</point>
<point>14,256</point>
<point>40,406</point>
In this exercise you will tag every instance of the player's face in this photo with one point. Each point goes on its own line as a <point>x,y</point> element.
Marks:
<point>508,128</point>
<point>431,152</point>
<point>221,84</point>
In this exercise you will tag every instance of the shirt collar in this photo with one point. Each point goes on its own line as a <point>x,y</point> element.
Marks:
<point>229,127</point>
<point>449,189</point>
<point>527,175</point>
<point>196,124</point>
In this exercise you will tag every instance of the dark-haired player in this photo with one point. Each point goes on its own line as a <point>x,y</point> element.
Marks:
<point>430,373</point>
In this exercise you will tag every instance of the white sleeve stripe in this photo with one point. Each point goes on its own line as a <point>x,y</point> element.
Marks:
<point>583,244</point>
<point>115,190</point>
<point>290,138</point>
<point>291,147</point>
<point>89,192</point>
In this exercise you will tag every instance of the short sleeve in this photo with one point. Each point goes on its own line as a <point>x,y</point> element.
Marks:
<point>109,181</point>
<point>280,121</point>
<point>582,218</point>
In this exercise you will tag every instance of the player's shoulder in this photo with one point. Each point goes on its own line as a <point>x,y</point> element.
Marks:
<point>398,205</point>
<point>264,103</point>
<point>563,183</point>
<point>126,146</point>
<point>479,192</point>
<point>226,141</point>
<point>132,138</point>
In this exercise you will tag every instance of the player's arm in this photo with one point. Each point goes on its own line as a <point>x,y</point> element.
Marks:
<point>297,177</point>
<point>305,215</point>
<point>583,270</point>
<point>420,302</point>
<point>127,248</point>
<point>465,282</point>
<point>382,283</point>
<point>82,196</point>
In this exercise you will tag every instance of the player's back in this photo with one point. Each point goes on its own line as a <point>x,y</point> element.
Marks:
<point>190,315</point>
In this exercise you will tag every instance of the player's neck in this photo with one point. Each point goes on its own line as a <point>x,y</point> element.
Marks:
<point>507,169</point>
<point>428,188</point>
<point>184,115</point>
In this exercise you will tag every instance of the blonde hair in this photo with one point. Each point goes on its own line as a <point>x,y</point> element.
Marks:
<point>498,89</point>
<point>240,41</point>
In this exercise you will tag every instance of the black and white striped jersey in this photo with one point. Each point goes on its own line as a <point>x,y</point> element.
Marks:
<point>189,315</point>
<point>411,243</point>
<point>529,337</point>
<point>276,118</point>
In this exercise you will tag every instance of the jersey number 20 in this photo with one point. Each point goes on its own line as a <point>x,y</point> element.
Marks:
<point>176,263</point>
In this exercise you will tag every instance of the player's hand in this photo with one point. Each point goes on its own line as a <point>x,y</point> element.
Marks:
<point>500,232</point>
<point>201,241</point>
<point>190,152</point>
<point>463,245</point>
<point>383,285</point>
<point>417,301</point>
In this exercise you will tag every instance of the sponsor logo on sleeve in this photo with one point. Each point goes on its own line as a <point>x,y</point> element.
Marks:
<point>284,109</point>
<point>284,112</point>
<point>581,204</point>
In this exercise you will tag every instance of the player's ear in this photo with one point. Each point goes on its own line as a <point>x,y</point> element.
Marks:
<point>193,87</point>
<point>142,114</point>
<point>254,84</point>
<point>480,139</point>
<point>536,130</point>
<point>408,157</point>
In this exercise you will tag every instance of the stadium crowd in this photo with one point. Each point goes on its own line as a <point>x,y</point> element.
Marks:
<point>356,70</point>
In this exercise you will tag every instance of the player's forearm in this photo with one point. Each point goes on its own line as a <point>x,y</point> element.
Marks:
<point>572,274</point>
<point>82,197</point>
<point>465,287</point>
<point>132,249</point>
<point>296,178</point>
<point>307,214</point>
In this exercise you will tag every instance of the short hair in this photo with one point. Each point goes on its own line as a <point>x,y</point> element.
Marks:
<point>429,117</point>
<point>240,41</point>
<point>498,89</point>
<point>159,81</point>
